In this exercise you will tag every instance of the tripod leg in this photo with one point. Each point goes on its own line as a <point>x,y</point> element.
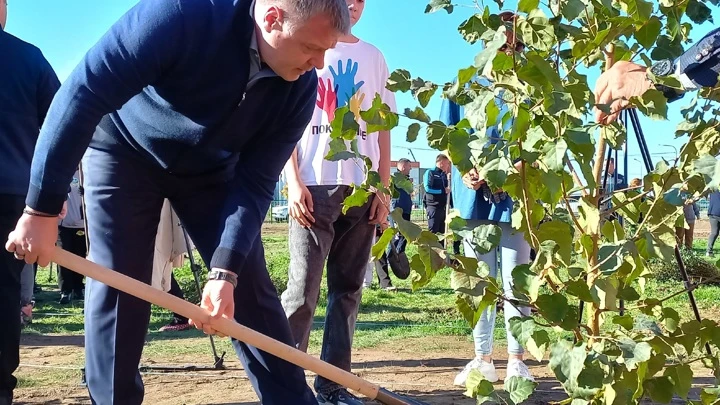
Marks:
<point>681,265</point>
<point>218,360</point>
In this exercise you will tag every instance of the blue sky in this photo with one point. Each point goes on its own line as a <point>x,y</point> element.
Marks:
<point>427,45</point>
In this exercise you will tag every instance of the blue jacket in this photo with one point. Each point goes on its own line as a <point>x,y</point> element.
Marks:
<point>714,204</point>
<point>700,63</point>
<point>27,86</point>
<point>169,81</point>
<point>470,203</point>
<point>403,201</point>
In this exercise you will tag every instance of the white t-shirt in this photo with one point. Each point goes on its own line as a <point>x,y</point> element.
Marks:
<point>353,72</point>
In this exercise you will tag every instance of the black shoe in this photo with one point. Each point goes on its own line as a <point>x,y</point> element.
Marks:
<point>339,397</point>
<point>65,299</point>
<point>78,295</point>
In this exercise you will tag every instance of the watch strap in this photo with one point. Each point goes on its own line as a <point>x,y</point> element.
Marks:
<point>223,275</point>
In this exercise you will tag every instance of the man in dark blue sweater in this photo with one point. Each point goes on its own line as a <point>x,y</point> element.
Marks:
<point>27,87</point>
<point>200,102</point>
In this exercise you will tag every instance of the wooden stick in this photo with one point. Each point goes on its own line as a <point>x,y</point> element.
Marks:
<point>225,326</point>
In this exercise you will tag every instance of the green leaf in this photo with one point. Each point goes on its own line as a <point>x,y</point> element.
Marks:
<point>467,284</point>
<point>649,32</point>
<point>639,9</point>
<point>626,321</point>
<point>527,6</point>
<point>567,361</point>
<point>399,80</point>
<point>473,29</point>
<point>578,288</point>
<point>344,126</point>
<point>379,248</point>
<point>338,151</point>
<point>628,293</point>
<point>572,9</point>
<point>538,344</point>
<point>412,132</point>
<point>422,90</point>
<point>552,307</point>
<point>522,329</point>
<point>671,319</point>
<point>562,234</point>
<point>653,104</point>
<point>358,198</point>
<point>554,155</point>
<point>477,385</point>
<point>698,12</point>
<point>667,48</point>
<point>681,376</point>
<point>400,181</point>
<point>536,31</point>
<point>519,388</point>
<point>550,73</point>
<point>606,289</point>
<point>634,353</point>
<point>417,114</point>
<point>660,389</point>
<point>410,230</point>
<point>436,135</point>
<point>436,5</point>
<point>459,150</point>
<point>526,281</point>
<point>486,238</point>
<point>491,49</point>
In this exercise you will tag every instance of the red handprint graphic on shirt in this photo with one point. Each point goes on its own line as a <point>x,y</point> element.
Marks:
<point>327,98</point>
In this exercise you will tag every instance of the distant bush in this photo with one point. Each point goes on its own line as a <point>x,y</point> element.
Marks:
<point>696,266</point>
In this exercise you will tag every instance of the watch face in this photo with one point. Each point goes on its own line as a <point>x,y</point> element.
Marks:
<point>662,68</point>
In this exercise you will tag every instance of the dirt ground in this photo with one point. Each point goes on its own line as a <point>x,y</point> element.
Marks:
<point>422,369</point>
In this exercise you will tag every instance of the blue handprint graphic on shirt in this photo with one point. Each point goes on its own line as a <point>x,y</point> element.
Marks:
<point>345,82</point>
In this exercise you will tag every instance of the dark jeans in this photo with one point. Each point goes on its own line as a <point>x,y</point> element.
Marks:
<point>11,207</point>
<point>70,240</point>
<point>714,230</point>
<point>124,197</point>
<point>436,218</point>
<point>345,241</point>
<point>178,292</point>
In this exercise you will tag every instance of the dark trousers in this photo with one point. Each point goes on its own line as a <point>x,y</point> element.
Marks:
<point>714,230</point>
<point>124,198</point>
<point>70,240</point>
<point>178,292</point>
<point>399,243</point>
<point>11,207</point>
<point>436,217</point>
<point>345,241</point>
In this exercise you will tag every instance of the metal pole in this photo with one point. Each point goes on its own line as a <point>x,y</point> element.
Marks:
<point>681,265</point>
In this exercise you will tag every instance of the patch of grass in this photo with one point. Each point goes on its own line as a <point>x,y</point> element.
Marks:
<point>383,316</point>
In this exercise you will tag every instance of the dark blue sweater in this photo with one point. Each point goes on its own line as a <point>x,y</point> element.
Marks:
<point>27,86</point>
<point>170,79</point>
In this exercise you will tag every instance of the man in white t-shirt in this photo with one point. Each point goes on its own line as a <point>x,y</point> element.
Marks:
<point>354,73</point>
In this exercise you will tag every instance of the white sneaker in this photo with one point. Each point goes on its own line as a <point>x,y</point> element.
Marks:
<point>516,368</point>
<point>485,368</point>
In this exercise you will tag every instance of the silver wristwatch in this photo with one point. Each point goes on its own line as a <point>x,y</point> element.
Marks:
<point>223,275</point>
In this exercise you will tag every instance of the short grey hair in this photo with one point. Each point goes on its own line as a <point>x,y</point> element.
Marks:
<point>302,10</point>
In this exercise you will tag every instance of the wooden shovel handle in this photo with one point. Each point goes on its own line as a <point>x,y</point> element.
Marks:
<point>226,326</point>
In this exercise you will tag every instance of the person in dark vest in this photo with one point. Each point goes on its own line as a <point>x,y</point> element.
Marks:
<point>436,193</point>
<point>27,86</point>
<point>200,102</point>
